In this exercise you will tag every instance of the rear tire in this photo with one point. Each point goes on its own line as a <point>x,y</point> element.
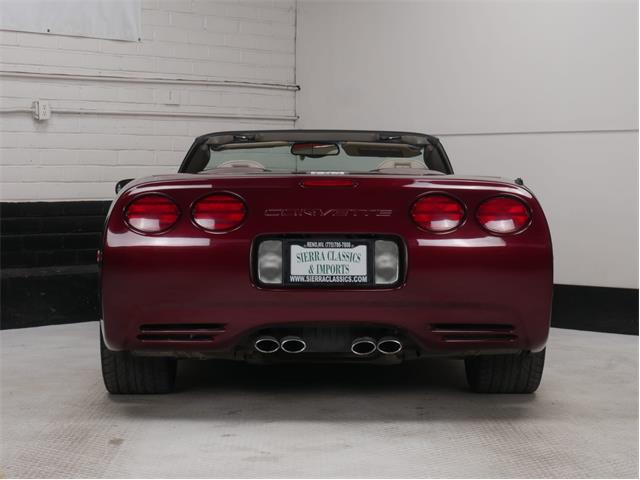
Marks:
<point>124,373</point>
<point>515,373</point>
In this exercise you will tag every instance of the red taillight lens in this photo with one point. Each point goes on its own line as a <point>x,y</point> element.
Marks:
<point>219,212</point>
<point>437,213</point>
<point>503,215</point>
<point>151,213</point>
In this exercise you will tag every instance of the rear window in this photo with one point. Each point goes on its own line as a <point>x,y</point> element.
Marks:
<point>285,157</point>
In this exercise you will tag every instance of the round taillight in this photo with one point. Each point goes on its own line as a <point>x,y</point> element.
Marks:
<point>219,212</point>
<point>503,215</point>
<point>151,213</point>
<point>437,213</point>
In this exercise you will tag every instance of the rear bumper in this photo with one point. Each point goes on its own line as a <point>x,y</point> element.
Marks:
<point>464,328</point>
<point>459,296</point>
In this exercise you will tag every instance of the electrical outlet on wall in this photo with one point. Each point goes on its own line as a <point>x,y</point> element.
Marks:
<point>174,98</point>
<point>41,110</point>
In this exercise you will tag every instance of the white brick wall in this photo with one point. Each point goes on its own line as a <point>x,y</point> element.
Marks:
<point>80,156</point>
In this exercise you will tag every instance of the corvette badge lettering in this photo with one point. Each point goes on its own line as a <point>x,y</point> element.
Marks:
<point>330,212</point>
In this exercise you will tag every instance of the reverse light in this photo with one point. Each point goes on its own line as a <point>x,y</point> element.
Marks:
<point>503,215</point>
<point>270,262</point>
<point>219,212</point>
<point>152,213</point>
<point>437,213</point>
<point>386,262</point>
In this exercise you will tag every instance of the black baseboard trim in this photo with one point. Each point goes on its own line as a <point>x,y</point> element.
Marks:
<point>33,297</point>
<point>54,295</point>
<point>597,309</point>
<point>46,234</point>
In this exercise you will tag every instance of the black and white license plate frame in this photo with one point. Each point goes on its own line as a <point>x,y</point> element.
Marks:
<point>335,243</point>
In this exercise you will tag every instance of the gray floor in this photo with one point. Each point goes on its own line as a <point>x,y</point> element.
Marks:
<point>232,420</point>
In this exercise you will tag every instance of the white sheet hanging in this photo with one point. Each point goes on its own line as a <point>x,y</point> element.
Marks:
<point>113,19</point>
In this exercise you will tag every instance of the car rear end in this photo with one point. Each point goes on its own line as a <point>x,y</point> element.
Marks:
<point>376,268</point>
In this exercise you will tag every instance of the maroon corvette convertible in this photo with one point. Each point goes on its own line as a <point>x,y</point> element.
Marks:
<point>320,245</point>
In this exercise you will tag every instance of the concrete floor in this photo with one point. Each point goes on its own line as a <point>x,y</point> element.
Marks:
<point>234,420</point>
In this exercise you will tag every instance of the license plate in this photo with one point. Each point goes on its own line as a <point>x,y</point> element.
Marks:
<point>328,262</point>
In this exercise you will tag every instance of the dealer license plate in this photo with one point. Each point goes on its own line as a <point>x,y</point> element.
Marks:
<point>328,262</point>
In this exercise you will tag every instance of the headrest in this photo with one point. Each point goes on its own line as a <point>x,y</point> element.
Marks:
<point>393,163</point>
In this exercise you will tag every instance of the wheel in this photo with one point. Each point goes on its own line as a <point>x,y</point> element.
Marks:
<point>515,373</point>
<point>125,373</point>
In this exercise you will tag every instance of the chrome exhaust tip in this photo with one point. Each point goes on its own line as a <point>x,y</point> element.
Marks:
<point>363,346</point>
<point>389,346</point>
<point>293,344</point>
<point>266,345</point>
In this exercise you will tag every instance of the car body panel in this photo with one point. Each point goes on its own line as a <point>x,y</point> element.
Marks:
<point>477,282</point>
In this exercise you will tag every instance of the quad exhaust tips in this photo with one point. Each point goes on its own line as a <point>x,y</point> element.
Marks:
<point>363,346</point>
<point>389,346</point>
<point>293,345</point>
<point>267,345</point>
